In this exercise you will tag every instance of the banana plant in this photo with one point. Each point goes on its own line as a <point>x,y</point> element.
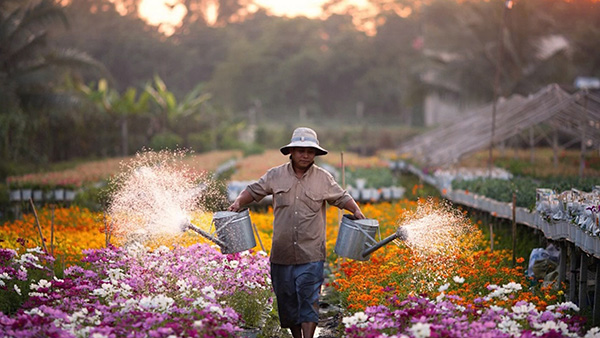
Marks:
<point>172,115</point>
<point>116,105</point>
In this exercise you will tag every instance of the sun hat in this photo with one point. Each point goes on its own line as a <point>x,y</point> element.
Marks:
<point>304,137</point>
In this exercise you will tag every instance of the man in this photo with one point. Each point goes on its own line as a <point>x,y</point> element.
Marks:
<point>300,189</point>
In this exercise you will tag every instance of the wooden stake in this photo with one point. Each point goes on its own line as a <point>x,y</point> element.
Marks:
<point>514,229</point>
<point>37,220</point>
<point>52,231</point>
<point>259,240</point>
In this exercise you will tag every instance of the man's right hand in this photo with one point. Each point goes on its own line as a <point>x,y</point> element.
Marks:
<point>243,199</point>
<point>234,207</point>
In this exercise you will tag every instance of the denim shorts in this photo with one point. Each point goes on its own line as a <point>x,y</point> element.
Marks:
<point>297,288</point>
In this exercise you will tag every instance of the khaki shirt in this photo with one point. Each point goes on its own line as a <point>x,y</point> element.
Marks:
<point>299,211</point>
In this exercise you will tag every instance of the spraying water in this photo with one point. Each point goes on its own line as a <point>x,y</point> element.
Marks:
<point>435,229</point>
<point>154,195</point>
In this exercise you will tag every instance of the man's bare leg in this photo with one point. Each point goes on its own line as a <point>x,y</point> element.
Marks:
<point>296,331</point>
<point>308,329</point>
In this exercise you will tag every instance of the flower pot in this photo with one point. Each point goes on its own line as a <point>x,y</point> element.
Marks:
<point>355,193</point>
<point>579,238</point>
<point>14,195</point>
<point>49,195</point>
<point>572,232</point>
<point>588,245</point>
<point>38,195</point>
<point>69,195</point>
<point>397,192</point>
<point>365,194</point>
<point>59,194</point>
<point>25,194</point>
<point>386,193</point>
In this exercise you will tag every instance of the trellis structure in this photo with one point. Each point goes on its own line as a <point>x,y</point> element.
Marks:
<point>542,116</point>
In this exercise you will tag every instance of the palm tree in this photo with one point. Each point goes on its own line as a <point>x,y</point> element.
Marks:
<point>31,71</point>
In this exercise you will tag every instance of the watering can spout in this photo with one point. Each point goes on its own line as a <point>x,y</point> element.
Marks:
<point>399,234</point>
<point>189,226</point>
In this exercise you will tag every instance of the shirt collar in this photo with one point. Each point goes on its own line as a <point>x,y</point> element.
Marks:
<point>291,169</point>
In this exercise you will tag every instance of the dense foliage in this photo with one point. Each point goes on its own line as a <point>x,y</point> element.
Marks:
<point>523,187</point>
<point>213,77</point>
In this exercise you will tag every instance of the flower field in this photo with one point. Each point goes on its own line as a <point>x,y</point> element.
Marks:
<point>182,286</point>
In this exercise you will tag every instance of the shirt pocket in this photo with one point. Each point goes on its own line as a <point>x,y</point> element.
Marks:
<point>313,200</point>
<point>282,196</point>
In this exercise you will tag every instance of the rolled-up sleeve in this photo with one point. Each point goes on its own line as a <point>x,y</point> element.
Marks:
<point>258,190</point>
<point>335,195</point>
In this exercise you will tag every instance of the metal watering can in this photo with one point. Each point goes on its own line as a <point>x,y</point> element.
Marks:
<point>234,231</point>
<point>356,238</point>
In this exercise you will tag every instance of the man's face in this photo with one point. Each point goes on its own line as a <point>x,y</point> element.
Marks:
<point>302,158</point>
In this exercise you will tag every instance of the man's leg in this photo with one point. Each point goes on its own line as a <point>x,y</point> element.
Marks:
<point>296,331</point>
<point>309,279</point>
<point>308,329</point>
<point>287,300</point>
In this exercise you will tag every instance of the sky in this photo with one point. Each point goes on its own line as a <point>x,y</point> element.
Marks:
<point>157,12</point>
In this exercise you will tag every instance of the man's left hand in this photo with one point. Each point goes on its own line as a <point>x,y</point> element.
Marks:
<point>359,215</point>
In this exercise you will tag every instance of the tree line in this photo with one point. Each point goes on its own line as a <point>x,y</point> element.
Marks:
<point>90,78</point>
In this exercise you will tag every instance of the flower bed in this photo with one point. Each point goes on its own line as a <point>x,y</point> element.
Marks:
<point>136,292</point>
<point>402,292</point>
<point>192,289</point>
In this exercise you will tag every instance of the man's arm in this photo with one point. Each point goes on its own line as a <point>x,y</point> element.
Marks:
<point>243,198</point>
<point>354,209</point>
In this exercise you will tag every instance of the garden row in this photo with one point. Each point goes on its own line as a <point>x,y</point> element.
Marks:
<point>182,286</point>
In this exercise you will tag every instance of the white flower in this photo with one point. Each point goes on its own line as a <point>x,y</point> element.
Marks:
<point>4,275</point>
<point>234,264</point>
<point>115,274</point>
<point>440,297</point>
<point>36,294</point>
<point>444,287</point>
<point>35,311</point>
<point>509,326</point>
<point>547,326</point>
<point>216,309</point>
<point>570,305</point>
<point>523,309</point>
<point>458,279</point>
<point>593,333</point>
<point>98,335</point>
<point>42,283</point>
<point>496,308</point>
<point>421,330</point>
<point>512,286</point>
<point>359,319</point>
<point>17,290</point>
<point>209,292</point>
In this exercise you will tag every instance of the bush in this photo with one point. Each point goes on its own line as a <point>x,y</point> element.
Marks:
<point>374,177</point>
<point>166,140</point>
<point>501,190</point>
<point>202,142</point>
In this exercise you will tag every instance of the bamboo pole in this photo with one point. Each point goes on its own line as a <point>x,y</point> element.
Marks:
<point>106,231</point>
<point>37,220</point>
<point>52,231</point>
<point>514,229</point>
<point>259,240</point>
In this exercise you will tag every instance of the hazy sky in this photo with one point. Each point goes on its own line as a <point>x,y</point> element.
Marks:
<point>156,12</point>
